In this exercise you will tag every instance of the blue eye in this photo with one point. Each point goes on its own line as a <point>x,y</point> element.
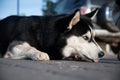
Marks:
<point>85,37</point>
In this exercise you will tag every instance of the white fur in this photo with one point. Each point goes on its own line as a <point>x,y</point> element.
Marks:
<point>24,50</point>
<point>82,47</point>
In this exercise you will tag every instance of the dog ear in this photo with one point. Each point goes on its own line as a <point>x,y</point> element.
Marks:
<point>67,21</point>
<point>93,14</point>
<point>75,19</point>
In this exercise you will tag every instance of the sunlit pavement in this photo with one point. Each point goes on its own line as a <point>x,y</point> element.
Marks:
<point>107,69</point>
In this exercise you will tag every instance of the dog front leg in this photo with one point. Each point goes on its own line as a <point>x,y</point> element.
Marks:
<point>23,50</point>
<point>35,54</point>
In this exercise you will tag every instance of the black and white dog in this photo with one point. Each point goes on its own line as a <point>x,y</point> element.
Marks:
<point>49,37</point>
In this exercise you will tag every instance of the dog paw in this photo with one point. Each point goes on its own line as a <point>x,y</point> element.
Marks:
<point>40,56</point>
<point>43,56</point>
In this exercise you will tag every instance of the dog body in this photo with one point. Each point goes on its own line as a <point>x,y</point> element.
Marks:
<point>49,37</point>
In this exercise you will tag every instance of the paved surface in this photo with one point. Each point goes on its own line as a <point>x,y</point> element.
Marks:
<point>106,69</point>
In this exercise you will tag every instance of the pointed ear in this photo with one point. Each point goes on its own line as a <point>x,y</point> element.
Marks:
<point>92,14</point>
<point>75,19</point>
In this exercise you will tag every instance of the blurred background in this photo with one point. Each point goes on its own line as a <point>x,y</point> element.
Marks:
<point>106,23</point>
<point>47,7</point>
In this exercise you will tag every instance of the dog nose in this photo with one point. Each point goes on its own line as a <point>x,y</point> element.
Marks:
<point>101,54</point>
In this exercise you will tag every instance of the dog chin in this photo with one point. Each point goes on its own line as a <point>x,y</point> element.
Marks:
<point>96,60</point>
<point>90,60</point>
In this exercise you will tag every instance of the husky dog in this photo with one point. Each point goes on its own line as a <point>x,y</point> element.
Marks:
<point>49,37</point>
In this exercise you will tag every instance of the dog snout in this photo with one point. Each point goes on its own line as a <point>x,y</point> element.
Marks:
<point>101,54</point>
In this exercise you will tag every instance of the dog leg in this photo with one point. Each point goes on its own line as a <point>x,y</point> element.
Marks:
<point>35,54</point>
<point>24,50</point>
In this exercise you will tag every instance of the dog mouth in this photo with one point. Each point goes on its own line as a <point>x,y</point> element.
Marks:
<point>85,58</point>
<point>91,60</point>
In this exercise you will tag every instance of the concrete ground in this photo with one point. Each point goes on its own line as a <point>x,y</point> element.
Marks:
<point>107,69</point>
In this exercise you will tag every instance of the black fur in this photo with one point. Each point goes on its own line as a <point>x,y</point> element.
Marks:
<point>47,34</point>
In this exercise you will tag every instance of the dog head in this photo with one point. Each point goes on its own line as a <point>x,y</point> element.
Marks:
<point>79,38</point>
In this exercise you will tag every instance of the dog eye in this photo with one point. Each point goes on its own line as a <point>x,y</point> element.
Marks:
<point>86,37</point>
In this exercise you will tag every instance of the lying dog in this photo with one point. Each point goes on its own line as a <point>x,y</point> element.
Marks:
<point>49,37</point>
